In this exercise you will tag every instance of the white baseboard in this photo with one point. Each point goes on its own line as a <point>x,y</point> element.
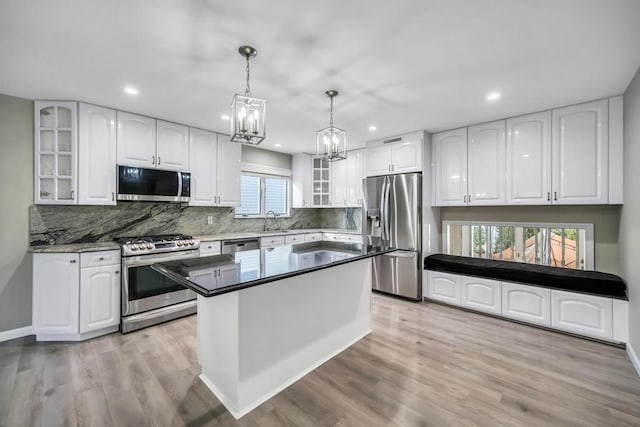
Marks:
<point>16,333</point>
<point>635,360</point>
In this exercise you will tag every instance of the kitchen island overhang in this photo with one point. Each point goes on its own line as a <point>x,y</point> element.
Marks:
<point>261,334</point>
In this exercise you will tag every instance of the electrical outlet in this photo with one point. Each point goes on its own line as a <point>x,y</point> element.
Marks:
<point>209,220</point>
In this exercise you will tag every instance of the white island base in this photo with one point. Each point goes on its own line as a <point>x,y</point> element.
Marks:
<point>254,342</point>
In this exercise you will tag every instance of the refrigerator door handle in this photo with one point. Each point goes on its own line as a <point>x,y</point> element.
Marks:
<point>383,193</point>
<point>401,254</point>
<point>386,209</point>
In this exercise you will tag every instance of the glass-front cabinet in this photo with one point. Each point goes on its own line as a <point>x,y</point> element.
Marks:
<point>320,185</point>
<point>56,150</point>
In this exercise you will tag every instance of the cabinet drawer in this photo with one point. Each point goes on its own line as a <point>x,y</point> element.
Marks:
<point>583,314</point>
<point>443,287</point>
<point>96,259</point>
<point>347,238</point>
<point>210,248</point>
<point>527,303</point>
<point>293,239</point>
<point>268,242</point>
<point>481,294</point>
<point>313,237</point>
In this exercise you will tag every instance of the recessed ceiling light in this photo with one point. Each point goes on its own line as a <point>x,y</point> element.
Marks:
<point>276,145</point>
<point>130,90</point>
<point>225,117</point>
<point>493,96</point>
<point>372,128</point>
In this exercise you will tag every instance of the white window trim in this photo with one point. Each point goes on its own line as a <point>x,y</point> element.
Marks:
<point>254,169</point>
<point>589,250</point>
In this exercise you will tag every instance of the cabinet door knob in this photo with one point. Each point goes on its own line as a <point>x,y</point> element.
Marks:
<point>73,261</point>
<point>113,196</point>
<point>158,160</point>
<point>153,159</point>
<point>555,195</point>
<point>72,194</point>
<point>101,258</point>
<point>464,199</point>
<point>548,196</point>
<point>117,272</point>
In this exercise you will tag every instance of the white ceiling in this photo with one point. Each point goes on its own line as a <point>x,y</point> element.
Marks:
<point>402,65</point>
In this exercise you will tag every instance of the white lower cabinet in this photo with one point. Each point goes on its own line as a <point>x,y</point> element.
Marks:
<point>583,314</point>
<point>294,239</point>
<point>56,293</point>
<point>313,237</point>
<point>209,248</point>
<point>526,303</point>
<point>75,296</point>
<point>481,294</point>
<point>444,287</point>
<point>99,297</point>
<point>588,315</point>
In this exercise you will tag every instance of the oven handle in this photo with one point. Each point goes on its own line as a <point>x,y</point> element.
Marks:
<point>152,259</point>
<point>179,184</point>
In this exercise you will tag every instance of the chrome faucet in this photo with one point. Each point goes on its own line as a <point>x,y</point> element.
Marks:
<point>266,216</point>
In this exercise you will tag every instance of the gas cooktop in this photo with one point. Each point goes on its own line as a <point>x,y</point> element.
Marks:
<point>142,245</point>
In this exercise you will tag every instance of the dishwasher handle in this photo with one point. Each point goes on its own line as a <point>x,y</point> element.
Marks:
<point>239,245</point>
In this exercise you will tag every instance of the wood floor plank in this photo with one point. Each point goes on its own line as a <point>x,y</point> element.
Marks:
<point>424,365</point>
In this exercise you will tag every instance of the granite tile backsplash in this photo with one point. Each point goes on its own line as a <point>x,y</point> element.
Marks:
<point>55,225</point>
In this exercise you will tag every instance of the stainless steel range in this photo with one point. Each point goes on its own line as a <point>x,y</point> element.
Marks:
<point>148,297</point>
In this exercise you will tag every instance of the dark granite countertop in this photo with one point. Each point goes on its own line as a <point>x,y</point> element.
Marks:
<point>219,274</point>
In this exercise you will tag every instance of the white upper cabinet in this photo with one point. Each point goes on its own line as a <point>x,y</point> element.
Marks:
<point>172,146</point>
<point>529,159</point>
<point>486,164</point>
<point>355,175</point>
<point>56,152</point>
<point>580,154</point>
<point>202,151</point>
<point>136,140</point>
<point>402,154</point>
<point>378,158</point>
<point>450,168</point>
<point>406,154</point>
<point>96,155</point>
<point>567,156</point>
<point>301,169</point>
<point>228,175</point>
<point>215,169</point>
<point>339,183</point>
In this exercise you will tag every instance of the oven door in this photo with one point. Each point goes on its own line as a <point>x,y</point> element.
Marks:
<point>145,289</point>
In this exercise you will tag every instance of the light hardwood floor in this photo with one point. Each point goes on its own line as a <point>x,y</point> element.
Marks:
<point>424,365</point>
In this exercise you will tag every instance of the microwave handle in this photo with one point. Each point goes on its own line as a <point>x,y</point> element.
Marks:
<point>179,184</point>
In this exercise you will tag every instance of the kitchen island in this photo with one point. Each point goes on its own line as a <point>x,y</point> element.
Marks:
<point>267,317</point>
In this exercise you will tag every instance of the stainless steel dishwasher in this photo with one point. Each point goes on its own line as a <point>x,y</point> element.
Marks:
<point>239,245</point>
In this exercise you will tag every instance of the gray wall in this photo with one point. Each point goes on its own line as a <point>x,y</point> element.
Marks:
<point>16,178</point>
<point>264,157</point>
<point>630,217</point>
<point>605,219</point>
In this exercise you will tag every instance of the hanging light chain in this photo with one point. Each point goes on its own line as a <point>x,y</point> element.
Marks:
<point>247,91</point>
<point>331,112</point>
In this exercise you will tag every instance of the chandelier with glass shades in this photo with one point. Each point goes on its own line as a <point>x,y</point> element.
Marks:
<point>247,112</point>
<point>331,142</point>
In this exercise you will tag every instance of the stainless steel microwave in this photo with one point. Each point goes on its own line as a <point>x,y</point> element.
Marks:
<point>135,183</point>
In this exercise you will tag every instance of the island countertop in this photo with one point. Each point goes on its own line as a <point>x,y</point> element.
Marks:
<point>220,274</point>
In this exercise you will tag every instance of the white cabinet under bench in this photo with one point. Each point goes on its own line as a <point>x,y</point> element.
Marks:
<point>597,316</point>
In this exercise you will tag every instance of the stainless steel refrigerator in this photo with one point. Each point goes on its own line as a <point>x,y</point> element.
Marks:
<point>392,216</point>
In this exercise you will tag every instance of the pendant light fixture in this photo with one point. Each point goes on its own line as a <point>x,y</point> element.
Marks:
<point>247,112</point>
<point>331,142</point>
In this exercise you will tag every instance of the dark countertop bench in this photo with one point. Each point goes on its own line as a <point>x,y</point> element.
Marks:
<point>587,282</point>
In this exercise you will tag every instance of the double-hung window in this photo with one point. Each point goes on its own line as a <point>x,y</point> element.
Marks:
<point>261,193</point>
